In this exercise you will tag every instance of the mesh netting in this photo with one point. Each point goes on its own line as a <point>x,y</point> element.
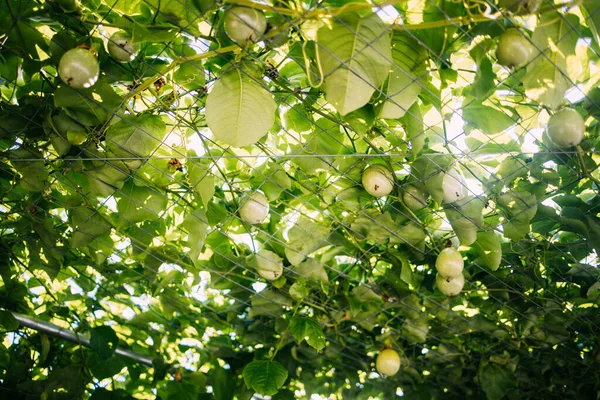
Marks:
<point>252,196</point>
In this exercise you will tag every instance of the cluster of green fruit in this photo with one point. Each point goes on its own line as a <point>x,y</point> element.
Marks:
<point>515,49</point>
<point>79,68</point>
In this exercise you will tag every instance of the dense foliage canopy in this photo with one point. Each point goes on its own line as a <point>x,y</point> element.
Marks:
<point>184,179</point>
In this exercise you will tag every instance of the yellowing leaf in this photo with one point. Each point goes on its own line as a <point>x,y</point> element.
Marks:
<point>239,111</point>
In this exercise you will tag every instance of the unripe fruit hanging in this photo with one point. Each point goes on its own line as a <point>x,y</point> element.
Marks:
<point>378,181</point>
<point>78,68</point>
<point>388,362</point>
<point>449,263</point>
<point>514,49</point>
<point>245,25</point>
<point>566,128</point>
<point>450,286</point>
<point>121,48</point>
<point>254,208</point>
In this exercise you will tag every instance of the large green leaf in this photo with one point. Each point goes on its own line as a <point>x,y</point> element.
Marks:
<point>87,225</point>
<point>550,74</point>
<point>520,208</point>
<point>305,237</point>
<point>265,377</point>
<point>137,204</point>
<point>487,119</point>
<point>308,328</point>
<point>239,110</point>
<point>355,53</point>
<point>104,341</point>
<point>404,82</point>
<point>134,137</point>
<point>489,250</point>
<point>90,106</point>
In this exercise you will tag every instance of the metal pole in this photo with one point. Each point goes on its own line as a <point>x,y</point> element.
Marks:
<point>84,340</point>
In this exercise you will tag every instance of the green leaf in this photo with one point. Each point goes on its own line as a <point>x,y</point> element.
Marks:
<point>495,380</point>
<point>298,290</point>
<point>520,207</point>
<point>8,322</point>
<point>270,303</point>
<point>105,368</point>
<point>134,137</point>
<point>195,224</point>
<point>489,249</point>
<point>466,217</point>
<point>92,106</point>
<point>487,119</point>
<point>550,74</point>
<point>304,238</point>
<point>221,384</point>
<point>201,180</point>
<point>591,11</point>
<point>355,55</point>
<point>107,178</point>
<point>408,69</point>
<point>265,377</point>
<point>312,270</point>
<point>307,328</point>
<point>415,331</point>
<point>87,225</point>
<point>137,204</point>
<point>239,110</point>
<point>484,81</point>
<point>104,341</point>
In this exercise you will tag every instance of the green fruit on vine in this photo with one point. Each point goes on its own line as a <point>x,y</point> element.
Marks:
<point>514,49</point>
<point>414,198</point>
<point>269,265</point>
<point>121,48</point>
<point>453,186</point>
<point>388,362</point>
<point>254,208</point>
<point>450,286</point>
<point>378,181</point>
<point>79,68</point>
<point>566,128</point>
<point>521,7</point>
<point>245,25</point>
<point>449,263</point>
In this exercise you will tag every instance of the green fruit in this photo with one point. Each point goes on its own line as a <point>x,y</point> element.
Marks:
<point>245,25</point>
<point>269,265</point>
<point>450,286</point>
<point>514,49</point>
<point>388,362</point>
<point>378,181</point>
<point>449,263</point>
<point>121,48</point>
<point>254,208</point>
<point>78,68</point>
<point>414,198</point>
<point>566,128</point>
<point>453,186</point>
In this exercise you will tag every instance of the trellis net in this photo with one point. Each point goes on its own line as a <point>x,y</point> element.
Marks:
<point>253,196</point>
